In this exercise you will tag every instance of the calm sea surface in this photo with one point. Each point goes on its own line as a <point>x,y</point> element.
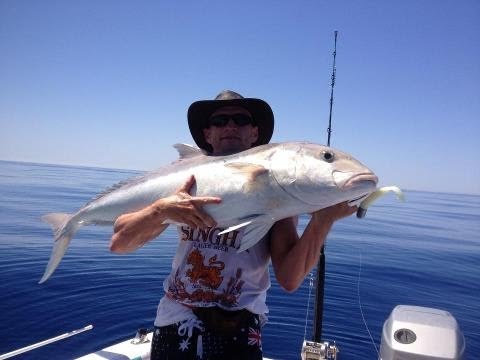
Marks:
<point>423,252</point>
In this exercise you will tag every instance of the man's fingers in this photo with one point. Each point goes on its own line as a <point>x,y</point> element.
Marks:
<point>190,211</point>
<point>343,210</point>
<point>187,185</point>
<point>206,219</point>
<point>336,212</point>
<point>199,220</point>
<point>347,209</point>
<point>202,200</point>
<point>194,216</point>
<point>194,222</point>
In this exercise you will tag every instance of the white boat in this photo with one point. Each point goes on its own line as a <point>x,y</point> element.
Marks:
<point>137,348</point>
<point>409,333</point>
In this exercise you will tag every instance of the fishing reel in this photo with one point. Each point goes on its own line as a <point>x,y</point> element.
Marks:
<point>319,351</point>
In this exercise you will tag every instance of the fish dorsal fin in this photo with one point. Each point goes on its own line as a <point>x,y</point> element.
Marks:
<point>249,170</point>
<point>188,151</point>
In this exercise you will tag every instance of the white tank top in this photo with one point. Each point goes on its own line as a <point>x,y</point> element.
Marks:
<point>207,270</point>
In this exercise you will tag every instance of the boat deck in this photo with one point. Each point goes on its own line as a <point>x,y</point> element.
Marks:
<point>125,350</point>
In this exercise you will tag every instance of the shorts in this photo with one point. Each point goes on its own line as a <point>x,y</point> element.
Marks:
<point>192,339</point>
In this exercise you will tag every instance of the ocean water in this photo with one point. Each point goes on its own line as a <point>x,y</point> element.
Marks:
<point>424,252</point>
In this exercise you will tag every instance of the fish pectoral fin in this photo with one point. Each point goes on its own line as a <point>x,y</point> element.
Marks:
<point>256,227</point>
<point>249,170</point>
<point>246,220</point>
<point>235,227</point>
<point>255,232</point>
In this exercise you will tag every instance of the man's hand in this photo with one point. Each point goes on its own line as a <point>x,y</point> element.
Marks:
<point>183,208</point>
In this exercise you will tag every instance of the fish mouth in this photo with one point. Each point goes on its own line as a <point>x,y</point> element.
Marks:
<point>358,198</point>
<point>345,183</point>
<point>357,201</point>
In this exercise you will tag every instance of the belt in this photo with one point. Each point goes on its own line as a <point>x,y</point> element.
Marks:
<point>223,322</point>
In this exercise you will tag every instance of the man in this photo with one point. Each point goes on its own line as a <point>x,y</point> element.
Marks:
<point>215,298</point>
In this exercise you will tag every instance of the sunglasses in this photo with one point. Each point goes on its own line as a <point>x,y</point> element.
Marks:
<point>223,119</point>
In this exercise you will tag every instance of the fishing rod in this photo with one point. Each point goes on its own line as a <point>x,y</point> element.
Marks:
<point>45,342</point>
<point>334,72</point>
<point>320,280</point>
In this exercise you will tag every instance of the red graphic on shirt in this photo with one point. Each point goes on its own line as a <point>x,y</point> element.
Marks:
<point>234,287</point>
<point>205,278</point>
<point>206,275</point>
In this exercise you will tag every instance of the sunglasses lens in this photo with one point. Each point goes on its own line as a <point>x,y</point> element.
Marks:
<point>222,120</point>
<point>218,120</point>
<point>242,119</point>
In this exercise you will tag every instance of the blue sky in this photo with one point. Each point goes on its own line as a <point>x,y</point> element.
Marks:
<point>108,83</point>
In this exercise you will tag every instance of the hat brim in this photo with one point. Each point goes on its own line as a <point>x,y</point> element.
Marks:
<point>200,111</point>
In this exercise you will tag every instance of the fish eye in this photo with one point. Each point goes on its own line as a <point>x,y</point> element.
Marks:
<point>327,156</point>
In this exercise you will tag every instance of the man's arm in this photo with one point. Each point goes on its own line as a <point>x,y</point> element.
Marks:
<point>293,257</point>
<point>133,230</point>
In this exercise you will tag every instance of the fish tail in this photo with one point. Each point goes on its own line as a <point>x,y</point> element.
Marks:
<point>57,221</point>
<point>63,229</point>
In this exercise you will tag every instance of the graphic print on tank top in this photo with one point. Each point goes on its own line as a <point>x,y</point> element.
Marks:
<point>209,269</point>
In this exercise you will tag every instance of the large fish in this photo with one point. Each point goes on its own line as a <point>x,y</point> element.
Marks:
<point>258,187</point>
